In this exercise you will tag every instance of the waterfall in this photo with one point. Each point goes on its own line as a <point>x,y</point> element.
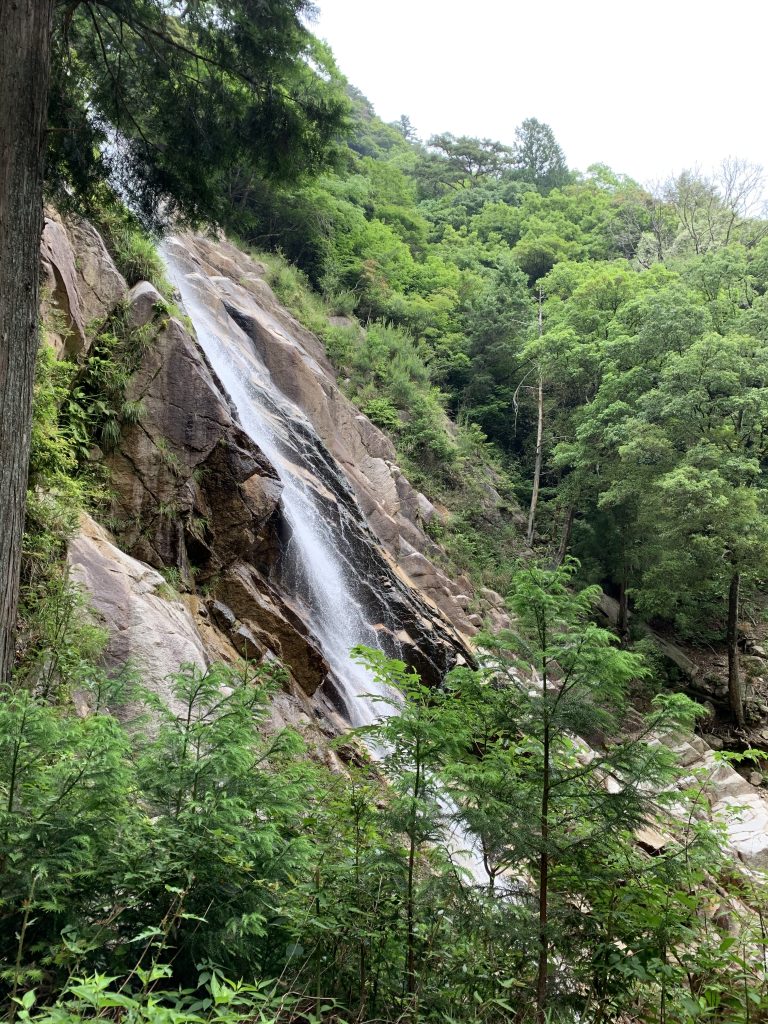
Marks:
<point>313,570</point>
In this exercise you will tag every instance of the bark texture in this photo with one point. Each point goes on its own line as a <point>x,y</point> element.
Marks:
<point>537,469</point>
<point>24,69</point>
<point>565,537</point>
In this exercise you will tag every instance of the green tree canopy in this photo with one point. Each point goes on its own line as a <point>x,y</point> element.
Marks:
<point>172,103</point>
<point>538,157</point>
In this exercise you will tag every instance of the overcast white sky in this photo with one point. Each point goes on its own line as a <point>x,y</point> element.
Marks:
<point>648,87</point>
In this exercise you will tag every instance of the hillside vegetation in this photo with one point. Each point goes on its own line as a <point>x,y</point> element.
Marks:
<point>607,342</point>
<point>607,345</point>
<point>573,369</point>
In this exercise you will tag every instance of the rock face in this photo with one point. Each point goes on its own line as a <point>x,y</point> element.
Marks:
<point>194,493</point>
<point>148,627</point>
<point>730,798</point>
<point>154,630</point>
<point>197,499</point>
<point>188,480</point>
<point>60,288</point>
<point>299,368</point>
<point>80,281</point>
<point>100,284</point>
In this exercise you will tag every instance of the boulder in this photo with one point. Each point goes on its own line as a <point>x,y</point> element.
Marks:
<point>149,629</point>
<point>438,589</point>
<point>246,644</point>
<point>425,510</point>
<point>737,803</point>
<point>143,301</point>
<point>491,597</point>
<point>100,284</point>
<point>223,616</point>
<point>271,622</point>
<point>712,741</point>
<point>81,285</point>
<point>498,620</point>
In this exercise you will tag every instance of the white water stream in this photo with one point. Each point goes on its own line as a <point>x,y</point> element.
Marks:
<point>313,571</point>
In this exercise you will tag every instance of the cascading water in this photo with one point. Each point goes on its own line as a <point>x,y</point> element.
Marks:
<point>313,569</point>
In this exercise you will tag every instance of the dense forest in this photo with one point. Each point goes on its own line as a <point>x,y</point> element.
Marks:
<point>573,369</point>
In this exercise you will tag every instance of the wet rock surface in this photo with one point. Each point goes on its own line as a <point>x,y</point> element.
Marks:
<point>381,589</point>
<point>196,496</point>
<point>192,490</point>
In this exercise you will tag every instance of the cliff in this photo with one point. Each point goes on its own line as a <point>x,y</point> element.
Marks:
<point>197,498</point>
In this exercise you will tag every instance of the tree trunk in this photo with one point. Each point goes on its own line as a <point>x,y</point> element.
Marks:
<point>537,466</point>
<point>410,970</point>
<point>565,538</point>
<point>410,967</point>
<point>735,696</point>
<point>623,621</point>
<point>539,432</point>
<point>543,965</point>
<point>25,45</point>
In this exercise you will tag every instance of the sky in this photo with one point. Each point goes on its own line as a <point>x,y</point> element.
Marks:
<point>649,87</point>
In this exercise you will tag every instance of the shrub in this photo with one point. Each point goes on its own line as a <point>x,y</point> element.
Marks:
<point>97,406</point>
<point>133,250</point>
<point>381,412</point>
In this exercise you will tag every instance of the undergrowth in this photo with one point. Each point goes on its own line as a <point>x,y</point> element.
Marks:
<point>133,250</point>
<point>79,410</point>
<point>97,406</point>
<point>53,635</point>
